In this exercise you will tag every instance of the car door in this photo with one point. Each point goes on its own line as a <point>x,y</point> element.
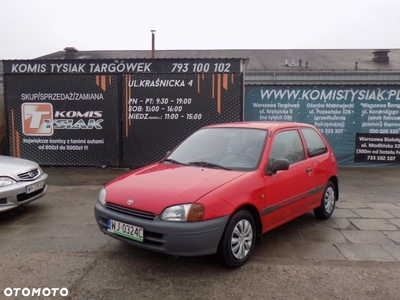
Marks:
<point>287,191</point>
<point>319,163</point>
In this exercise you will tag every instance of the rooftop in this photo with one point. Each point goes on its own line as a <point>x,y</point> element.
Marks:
<point>265,61</point>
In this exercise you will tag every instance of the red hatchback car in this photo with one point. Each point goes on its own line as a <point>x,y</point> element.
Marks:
<point>221,189</point>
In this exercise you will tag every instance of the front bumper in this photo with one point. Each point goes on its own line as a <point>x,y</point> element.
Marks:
<point>176,238</point>
<point>15,195</point>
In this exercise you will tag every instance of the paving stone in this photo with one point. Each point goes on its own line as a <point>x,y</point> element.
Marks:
<point>344,224</point>
<point>283,235</point>
<point>343,204</point>
<point>356,198</point>
<point>395,222</point>
<point>367,237</point>
<point>385,206</point>
<point>345,196</point>
<point>373,224</point>
<point>372,213</point>
<point>320,251</point>
<point>330,223</point>
<point>395,212</point>
<point>394,250</point>
<point>305,221</point>
<point>365,252</point>
<point>274,249</point>
<point>344,213</point>
<point>323,235</point>
<point>383,198</point>
<point>393,235</point>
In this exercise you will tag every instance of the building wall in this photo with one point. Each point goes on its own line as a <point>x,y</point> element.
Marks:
<point>2,126</point>
<point>2,114</point>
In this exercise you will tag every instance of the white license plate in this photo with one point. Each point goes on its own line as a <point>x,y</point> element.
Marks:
<point>126,230</point>
<point>34,187</point>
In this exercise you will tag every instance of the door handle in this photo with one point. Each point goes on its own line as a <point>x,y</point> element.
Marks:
<point>308,170</point>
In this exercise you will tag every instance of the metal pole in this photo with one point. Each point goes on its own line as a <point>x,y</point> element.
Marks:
<point>153,43</point>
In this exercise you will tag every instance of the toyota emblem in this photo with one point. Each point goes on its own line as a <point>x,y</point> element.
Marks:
<point>129,202</point>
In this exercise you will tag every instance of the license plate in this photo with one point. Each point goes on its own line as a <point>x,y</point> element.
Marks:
<point>126,230</point>
<point>34,187</point>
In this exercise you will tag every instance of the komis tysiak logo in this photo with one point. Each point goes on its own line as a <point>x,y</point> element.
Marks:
<point>38,119</point>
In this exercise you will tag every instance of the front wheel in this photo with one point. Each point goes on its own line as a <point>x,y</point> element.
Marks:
<point>328,201</point>
<point>238,240</point>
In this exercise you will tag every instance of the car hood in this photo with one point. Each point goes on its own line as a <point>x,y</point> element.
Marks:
<point>13,166</point>
<point>161,185</point>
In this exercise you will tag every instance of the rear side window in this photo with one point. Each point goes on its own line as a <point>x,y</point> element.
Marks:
<point>315,144</point>
<point>287,144</point>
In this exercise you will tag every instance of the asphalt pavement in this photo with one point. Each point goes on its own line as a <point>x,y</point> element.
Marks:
<point>55,243</point>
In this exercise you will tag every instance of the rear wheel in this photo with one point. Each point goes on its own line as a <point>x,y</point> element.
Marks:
<point>328,202</point>
<point>238,240</point>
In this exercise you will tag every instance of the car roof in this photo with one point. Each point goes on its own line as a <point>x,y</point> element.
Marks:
<point>260,125</point>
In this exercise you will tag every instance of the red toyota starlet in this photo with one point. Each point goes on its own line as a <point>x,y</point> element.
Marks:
<point>221,189</point>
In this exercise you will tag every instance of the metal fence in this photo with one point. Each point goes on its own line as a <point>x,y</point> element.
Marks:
<point>2,126</point>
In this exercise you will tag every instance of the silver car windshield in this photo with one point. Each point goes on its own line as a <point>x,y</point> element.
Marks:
<point>225,148</point>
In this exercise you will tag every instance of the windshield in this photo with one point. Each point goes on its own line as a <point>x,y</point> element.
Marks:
<point>227,148</point>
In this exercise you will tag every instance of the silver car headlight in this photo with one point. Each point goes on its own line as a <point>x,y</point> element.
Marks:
<point>183,213</point>
<point>6,181</point>
<point>102,196</point>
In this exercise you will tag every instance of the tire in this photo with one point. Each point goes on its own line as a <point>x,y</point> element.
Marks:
<point>328,202</point>
<point>238,240</point>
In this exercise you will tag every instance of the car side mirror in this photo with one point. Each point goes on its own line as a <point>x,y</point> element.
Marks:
<point>277,165</point>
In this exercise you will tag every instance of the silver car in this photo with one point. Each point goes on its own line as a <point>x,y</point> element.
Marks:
<point>21,181</point>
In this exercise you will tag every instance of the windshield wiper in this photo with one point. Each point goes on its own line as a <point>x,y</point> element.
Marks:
<point>173,161</point>
<point>207,165</point>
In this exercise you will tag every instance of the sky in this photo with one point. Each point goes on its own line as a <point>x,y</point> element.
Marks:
<point>33,28</point>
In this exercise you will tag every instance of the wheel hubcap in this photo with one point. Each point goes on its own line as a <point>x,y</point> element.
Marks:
<point>329,200</point>
<point>242,239</point>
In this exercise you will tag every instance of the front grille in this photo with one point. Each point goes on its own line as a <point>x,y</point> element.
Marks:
<point>153,238</point>
<point>30,175</point>
<point>131,212</point>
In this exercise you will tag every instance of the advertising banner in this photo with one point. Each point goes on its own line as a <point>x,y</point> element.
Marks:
<point>160,110</point>
<point>63,119</point>
<point>115,112</point>
<point>361,123</point>
<point>122,66</point>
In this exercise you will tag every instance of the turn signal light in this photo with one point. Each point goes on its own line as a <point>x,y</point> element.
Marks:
<point>196,213</point>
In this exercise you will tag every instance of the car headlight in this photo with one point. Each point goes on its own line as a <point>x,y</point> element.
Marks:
<point>183,213</point>
<point>102,196</point>
<point>5,181</point>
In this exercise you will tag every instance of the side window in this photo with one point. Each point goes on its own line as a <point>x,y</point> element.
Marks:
<point>296,149</point>
<point>315,144</point>
<point>287,145</point>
